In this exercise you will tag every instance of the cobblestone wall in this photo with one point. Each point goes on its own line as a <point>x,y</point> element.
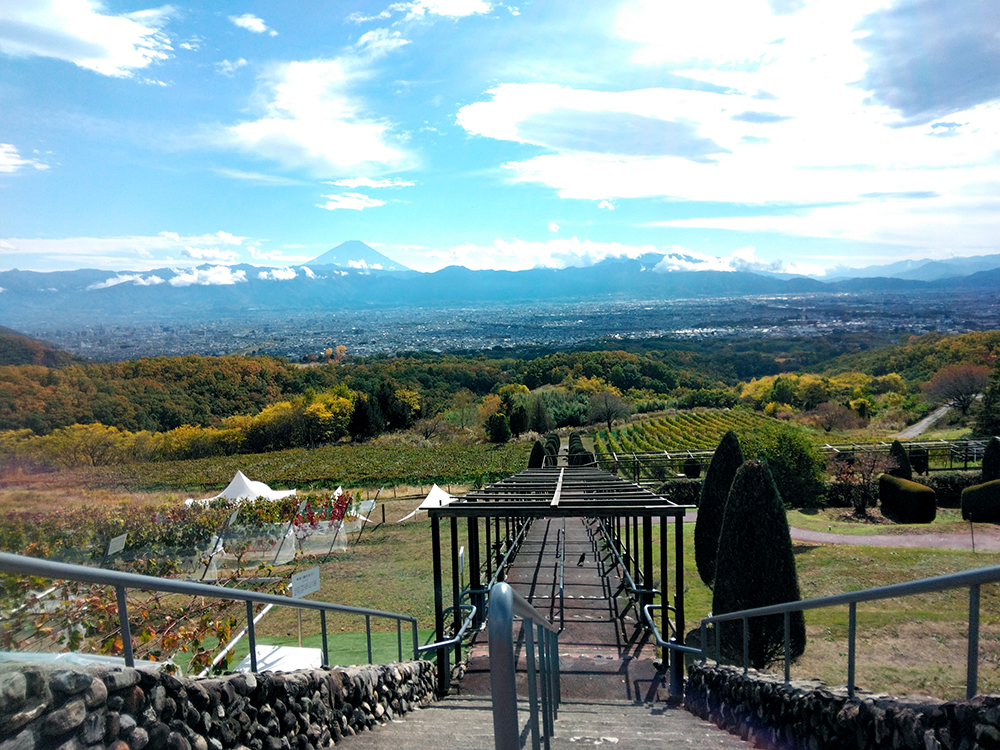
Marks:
<point>88,708</point>
<point>809,715</point>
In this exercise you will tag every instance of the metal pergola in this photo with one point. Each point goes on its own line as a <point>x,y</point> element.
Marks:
<point>503,510</point>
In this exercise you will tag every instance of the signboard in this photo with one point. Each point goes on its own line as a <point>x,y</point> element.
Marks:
<point>305,583</point>
<point>117,544</point>
<point>461,560</point>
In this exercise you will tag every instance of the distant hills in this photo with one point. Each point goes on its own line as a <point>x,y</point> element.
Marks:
<point>354,275</point>
<point>920,270</point>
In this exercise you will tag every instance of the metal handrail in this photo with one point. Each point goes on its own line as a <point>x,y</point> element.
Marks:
<point>629,582</point>
<point>457,638</point>
<point>505,604</point>
<point>31,566</point>
<point>972,579</point>
<point>650,620</point>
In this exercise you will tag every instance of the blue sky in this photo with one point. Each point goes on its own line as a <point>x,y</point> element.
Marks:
<point>787,135</point>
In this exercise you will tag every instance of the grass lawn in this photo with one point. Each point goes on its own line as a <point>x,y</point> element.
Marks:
<point>915,645</point>
<point>839,521</point>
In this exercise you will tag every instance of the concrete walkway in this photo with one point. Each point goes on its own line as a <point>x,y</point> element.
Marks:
<point>462,723</point>
<point>603,655</point>
<point>916,429</point>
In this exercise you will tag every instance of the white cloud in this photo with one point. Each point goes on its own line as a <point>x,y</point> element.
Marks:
<point>257,254</point>
<point>519,255</point>
<point>606,204</point>
<point>229,239</point>
<point>367,182</point>
<point>134,278</point>
<point>213,276</point>
<point>380,42</point>
<point>553,227</point>
<point>311,121</point>
<point>259,177</point>
<point>308,272</point>
<point>228,68</point>
<point>211,253</point>
<point>353,201</point>
<point>11,160</point>
<point>277,274</point>
<point>78,32</point>
<point>449,8</point>
<point>363,265</point>
<point>250,22</point>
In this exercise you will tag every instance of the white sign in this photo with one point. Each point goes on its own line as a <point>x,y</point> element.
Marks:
<point>305,583</point>
<point>117,544</point>
<point>461,560</point>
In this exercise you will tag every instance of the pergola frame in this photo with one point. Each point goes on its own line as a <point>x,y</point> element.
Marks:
<point>561,492</point>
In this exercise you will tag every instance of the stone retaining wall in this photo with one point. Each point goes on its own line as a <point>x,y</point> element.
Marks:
<point>809,715</point>
<point>91,708</point>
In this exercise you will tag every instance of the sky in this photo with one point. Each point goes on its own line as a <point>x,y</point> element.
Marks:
<point>789,135</point>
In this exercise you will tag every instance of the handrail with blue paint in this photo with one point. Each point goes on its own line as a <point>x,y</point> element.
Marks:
<point>505,605</point>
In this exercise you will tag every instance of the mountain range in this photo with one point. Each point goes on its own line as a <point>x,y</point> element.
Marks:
<point>354,275</point>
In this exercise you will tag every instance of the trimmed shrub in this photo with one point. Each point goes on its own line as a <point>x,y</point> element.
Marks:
<point>981,502</point>
<point>904,501</point>
<point>681,491</point>
<point>756,568</point>
<point>920,460</point>
<point>537,458</point>
<point>712,504</point>
<point>794,461</point>
<point>692,468</point>
<point>902,470</point>
<point>948,486</point>
<point>552,444</point>
<point>991,460</point>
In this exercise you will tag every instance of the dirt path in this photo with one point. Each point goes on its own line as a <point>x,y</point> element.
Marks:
<point>914,430</point>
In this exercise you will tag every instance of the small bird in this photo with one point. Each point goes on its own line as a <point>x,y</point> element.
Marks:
<point>580,562</point>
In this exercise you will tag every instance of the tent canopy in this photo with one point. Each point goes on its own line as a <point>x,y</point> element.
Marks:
<point>436,498</point>
<point>242,488</point>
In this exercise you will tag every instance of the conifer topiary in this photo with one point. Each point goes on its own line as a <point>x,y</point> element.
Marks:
<point>712,504</point>
<point>902,469</point>
<point>692,468</point>
<point>756,568</point>
<point>537,458</point>
<point>905,501</point>
<point>991,460</point>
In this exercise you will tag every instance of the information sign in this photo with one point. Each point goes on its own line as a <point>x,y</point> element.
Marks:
<point>305,583</point>
<point>117,544</point>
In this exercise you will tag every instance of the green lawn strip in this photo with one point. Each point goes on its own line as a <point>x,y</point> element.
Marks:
<point>948,520</point>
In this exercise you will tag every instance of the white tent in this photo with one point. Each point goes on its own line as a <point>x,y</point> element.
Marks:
<point>242,488</point>
<point>436,498</point>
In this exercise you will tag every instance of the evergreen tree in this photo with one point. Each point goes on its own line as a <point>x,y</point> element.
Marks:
<point>898,455</point>
<point>988,421</point>
<point>518,419</point>
<point>537,458</point>
<point>366,420</point>
<point>712,504</point>
<point>498,428</point>
<point>756,568</point>
<point>991,460</point>
<point>540,420</point>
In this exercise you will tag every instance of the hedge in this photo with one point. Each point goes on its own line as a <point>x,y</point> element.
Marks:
<point>904,501</point>
<point>981,502</point>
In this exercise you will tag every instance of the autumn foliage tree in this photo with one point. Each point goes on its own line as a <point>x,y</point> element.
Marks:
<point>958,385</point>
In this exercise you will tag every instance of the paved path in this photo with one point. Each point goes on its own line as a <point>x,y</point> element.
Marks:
<point>603,655</point>
<point>987,538</point>
<point>914,430</point>
<point>463,723</point>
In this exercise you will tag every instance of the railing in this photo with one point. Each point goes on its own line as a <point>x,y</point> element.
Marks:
<point>505,604</point>
<point>30,566</point>
<point>972,579</point>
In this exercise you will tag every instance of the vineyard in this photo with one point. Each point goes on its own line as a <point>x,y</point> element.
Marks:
<point>323,468</point>
<point>688,430</point>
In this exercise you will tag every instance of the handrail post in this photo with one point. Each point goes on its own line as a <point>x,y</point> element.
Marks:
<point>529,652</point>
<point>322,627</point>
<point>125,629</point>
<point>502,682</point>
<point>546,696</point>
<point>852,630</point>
<point>443,667</point>
<point>788,646</point>
<point>251,635</point>
<point>746,644</point>
<point>972,670</point>
<point>368,636</point>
